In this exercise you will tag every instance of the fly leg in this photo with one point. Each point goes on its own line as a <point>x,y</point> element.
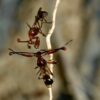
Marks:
<point>45,21</point>
<point>36,67</point>
<point>48,71</point>
<point>51,62</point>
<point>42,33</point>
<point>36,42</point>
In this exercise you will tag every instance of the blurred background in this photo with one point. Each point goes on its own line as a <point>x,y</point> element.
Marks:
<point>77,73</point>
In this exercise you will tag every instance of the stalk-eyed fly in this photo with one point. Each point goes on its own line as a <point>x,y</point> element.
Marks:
<point>33,36</point>
<point>44,71</point>
<point>40,18</point>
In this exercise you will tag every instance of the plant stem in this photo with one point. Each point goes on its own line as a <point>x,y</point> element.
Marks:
<point>48,41</point>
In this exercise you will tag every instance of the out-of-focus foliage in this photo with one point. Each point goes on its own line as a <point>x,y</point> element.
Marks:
<point>77,72</point>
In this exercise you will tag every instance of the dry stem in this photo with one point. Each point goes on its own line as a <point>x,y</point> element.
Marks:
<point>48,41</point>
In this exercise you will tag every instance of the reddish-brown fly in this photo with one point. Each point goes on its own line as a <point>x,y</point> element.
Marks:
<point>33,36</point>
<point>35,29</point>
<point>40,18</point>
<point>44,71</point>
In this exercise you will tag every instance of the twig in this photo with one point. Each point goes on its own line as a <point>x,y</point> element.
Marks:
<point>48,41</point>
<point>50,93</point>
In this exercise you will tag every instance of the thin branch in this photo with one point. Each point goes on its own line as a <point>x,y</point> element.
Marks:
<point>50,93</point>
<point>48,38</point>
<point>48,41</point>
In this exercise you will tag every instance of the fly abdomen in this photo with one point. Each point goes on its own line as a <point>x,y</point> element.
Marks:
<point>47,80</point>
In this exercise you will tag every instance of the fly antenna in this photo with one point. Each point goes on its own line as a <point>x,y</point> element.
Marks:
<point>68,42</point>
